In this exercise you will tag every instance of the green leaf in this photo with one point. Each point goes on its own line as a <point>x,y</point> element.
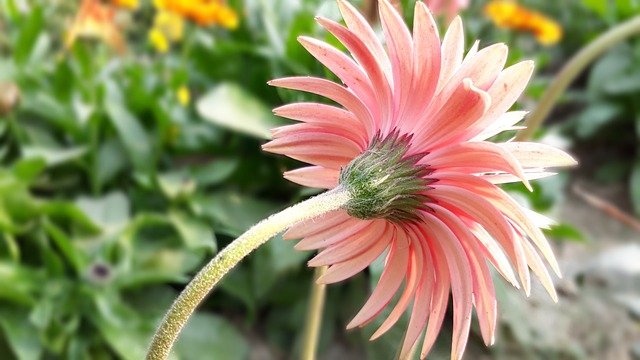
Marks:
<point>214,172</point>
<point>22,336</point>
<point>66,247</point>
<point>132,134</point>
<point>53,156</point>
<point>110,161</point>
<point>627,84</point>
<point>230,106</point>
<point>28,169</point>
<point>634,186</point>
<point>17,283</point>
<point>109,211</point>
<point>597,6</point>
<point>28,35</point>
<point>194,233</point>
<point>565,232</point>
<point>176,184</point>
<point>210,336</point>
<point>595,116</point>
<point>272,261</point>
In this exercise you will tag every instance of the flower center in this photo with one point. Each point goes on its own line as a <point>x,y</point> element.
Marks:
<point>385,183</point>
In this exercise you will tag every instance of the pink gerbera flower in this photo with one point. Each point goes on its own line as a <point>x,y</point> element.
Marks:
<point>408,143</point>
<point>450,8</point>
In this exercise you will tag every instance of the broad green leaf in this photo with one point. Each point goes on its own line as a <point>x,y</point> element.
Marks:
<point>238,283</point>
<point>110,161</point>
<point>194,233</point>
<point>66,246</point>
<point>69,211</point>
<point>22,336</point>
<point>133,135</point>
<point>565,232</point>
<point>28,36</point>
<point>214,172</point>
<point>230,106</point>
<point>271,261</point>
<point>595,116</point>
<point>53,156</point>
<point>211,337</point>
<point>597,6</point>
<point>109,211</point>
<point>176,184</point>
<point>627,84</point>
<point>17,283</point>
<point>634,186</point>
<point>28,169</point>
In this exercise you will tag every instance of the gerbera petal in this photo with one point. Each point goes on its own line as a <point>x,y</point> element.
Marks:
<point>536,155</point>
<point>345,250</point>
<point>320,224</point>
<point>476,155</point>
<point>400,49</point>
<point>327,150</point>
<point>483,212</point>
<point>538,268</point>
<point>461,283</point>
<point>345,231</point>
<point>452,50</point>
<point>504,122</point>
<point>390,280</point>
<point>348,268</point>
<point>358,24</point>
<point>314,176</point>
<point>346,69</point>
<point>333,91</point>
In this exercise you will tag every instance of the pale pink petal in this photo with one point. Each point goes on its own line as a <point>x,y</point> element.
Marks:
<point>347,269</point>
<point>505,204</point>
<point>482,211</point>
<point>504,122</point>
<point>346,69</point>
<point>323,114</point>
<point>314,226</point>
<point>392,276</point>
<point>359,25</point>
<point>346,250</point>
<point>538,268</point>
<point>461,282</point>
<point>484,294</point>
<point>536,155</point>
<point>426,67</point>
<point>328,150</point>
<point>414,278</point>
<point>333,91</point>
<point>338,128</point>
<point>465,105</point>
<point>314,176</point>
<point>452,51</point>
<point>399,47</point>
<point>539,220</point>
<point>348,230</point>
<point>476,155</point>
<point>369,63</point>
<point>508,178</point>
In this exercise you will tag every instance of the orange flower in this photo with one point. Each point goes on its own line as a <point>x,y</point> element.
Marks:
<point>508,14</point>
<point>95,20</point>
<point>203,12</point>
<point>128,4</point>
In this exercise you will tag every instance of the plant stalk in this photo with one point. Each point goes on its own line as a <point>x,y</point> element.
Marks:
<point>572,69</point>
<point>225,260</point>
<point>314,316</point>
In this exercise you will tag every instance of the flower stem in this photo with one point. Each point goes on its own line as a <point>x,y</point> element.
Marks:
<point>229,257</point>
<point>314,316</point>
<point>572,69</point>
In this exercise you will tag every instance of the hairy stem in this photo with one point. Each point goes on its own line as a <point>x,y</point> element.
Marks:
<point>572,69</point>
<point>229,257</point>
<point>314,316</point>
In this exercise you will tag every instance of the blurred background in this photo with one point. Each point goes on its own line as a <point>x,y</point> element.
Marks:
<point>130,136</point>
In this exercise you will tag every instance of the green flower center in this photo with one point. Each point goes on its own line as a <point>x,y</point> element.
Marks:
<point>385,183</point>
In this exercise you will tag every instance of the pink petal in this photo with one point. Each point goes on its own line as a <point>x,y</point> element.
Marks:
<point>333,91</point>
<point>483,291</point>
<point>504,122</point>
<point>359,25</point>
<point>344,68</point>
<point>538,268</point>
<point>414,278</point>
<point>506,205</point>
<point>483,212</point>
<point>426,67</point>
<point>508,178</point>
<point>328,150</point>
<point>466,105</point>
<point>535,155</point>
<point>355,245</point>
<point>347,269</point>
<point>350,229</point>
<point>461,283</point>
<point>476,155</point>
<point>452,50</point>
<point>317,225</point>
<point>390,280</point>
<point>399,46</point>
<point>338,128</point>
<point>314,176</point>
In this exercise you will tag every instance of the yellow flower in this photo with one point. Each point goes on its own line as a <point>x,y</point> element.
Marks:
<point>158,40</point>
<point>510,15</point>
<point>96,20</point>
<point>183,95</point>
<point>170,24</point>
<point>228,18</point>
<point>129,4</point>
<point>203,12</point>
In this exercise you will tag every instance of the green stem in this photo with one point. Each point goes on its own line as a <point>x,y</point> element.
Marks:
<point>572,69</point>
<point>314,316</point>
<point>229,257</point>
